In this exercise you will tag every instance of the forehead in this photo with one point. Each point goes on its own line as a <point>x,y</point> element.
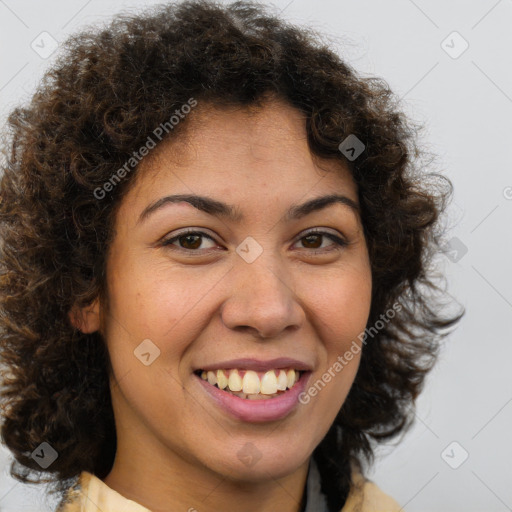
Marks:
<point>244,153</point>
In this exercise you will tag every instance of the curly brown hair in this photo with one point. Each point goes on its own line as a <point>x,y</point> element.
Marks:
<point>108,90</point>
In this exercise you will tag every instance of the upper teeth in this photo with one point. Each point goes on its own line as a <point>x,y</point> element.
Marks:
<point>252,382</point>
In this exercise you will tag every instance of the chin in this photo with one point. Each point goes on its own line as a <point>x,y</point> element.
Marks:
<point>250,464</point>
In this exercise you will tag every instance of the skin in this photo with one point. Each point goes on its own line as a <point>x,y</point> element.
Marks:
<point>177,450</point>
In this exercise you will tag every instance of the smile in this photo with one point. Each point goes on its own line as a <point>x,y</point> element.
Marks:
<point>252,385</point>
<point>254,396</point>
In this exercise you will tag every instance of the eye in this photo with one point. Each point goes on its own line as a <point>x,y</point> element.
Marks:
<point>188,240</point>
<point>311,238</point>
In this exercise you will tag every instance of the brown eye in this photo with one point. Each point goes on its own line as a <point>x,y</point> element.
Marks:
<point>188,241</point>
<point>313,240</point>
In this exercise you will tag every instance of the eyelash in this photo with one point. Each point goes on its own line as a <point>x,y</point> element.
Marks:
<point>336,239</point>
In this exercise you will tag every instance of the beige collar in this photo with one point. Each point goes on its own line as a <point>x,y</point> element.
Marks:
<point>90,494</point>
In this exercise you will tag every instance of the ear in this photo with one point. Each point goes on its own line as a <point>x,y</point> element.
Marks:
<point>86,319</point>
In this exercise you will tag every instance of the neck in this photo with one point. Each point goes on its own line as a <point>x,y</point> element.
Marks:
<point>171,483</point>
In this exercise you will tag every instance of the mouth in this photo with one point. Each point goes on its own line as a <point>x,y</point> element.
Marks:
<point>251,384</point>
<point>255,392</point>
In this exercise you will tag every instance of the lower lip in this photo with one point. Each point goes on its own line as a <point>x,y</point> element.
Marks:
<point>257,411</point>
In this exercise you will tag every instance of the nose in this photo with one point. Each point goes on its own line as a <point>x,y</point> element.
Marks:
<point>261,300</point>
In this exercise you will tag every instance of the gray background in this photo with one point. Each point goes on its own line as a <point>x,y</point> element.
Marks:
<point>465,99</point>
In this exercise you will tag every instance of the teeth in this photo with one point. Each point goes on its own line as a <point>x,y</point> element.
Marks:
<point>212,378</point>
<point>259,396</point>
<point>235,381</point>
<point>251,384</point>
<point>269,383</point>
<point>282,381</point>
<point>222,380</point>
<point>290,378</point>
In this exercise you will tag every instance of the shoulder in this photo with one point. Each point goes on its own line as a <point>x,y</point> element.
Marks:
<point>366,496</point>
<point>90,494</point>
<point>71,501</point>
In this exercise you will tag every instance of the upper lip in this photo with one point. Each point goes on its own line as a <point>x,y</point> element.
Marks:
<point>258,365</point>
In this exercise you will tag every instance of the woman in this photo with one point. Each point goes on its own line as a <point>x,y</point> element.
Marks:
<point>215,269</point>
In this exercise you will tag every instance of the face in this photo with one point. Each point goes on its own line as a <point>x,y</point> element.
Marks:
<point>272,290</point>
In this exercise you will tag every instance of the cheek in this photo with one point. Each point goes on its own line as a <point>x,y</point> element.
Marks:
<point>343,309</point>
<point>152,300</point>
<point>341,313</point>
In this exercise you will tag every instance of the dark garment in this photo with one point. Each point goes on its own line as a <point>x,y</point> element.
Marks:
<point>315,499</point>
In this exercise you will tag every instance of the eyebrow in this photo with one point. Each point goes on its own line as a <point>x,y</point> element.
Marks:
<point>219,209</point>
